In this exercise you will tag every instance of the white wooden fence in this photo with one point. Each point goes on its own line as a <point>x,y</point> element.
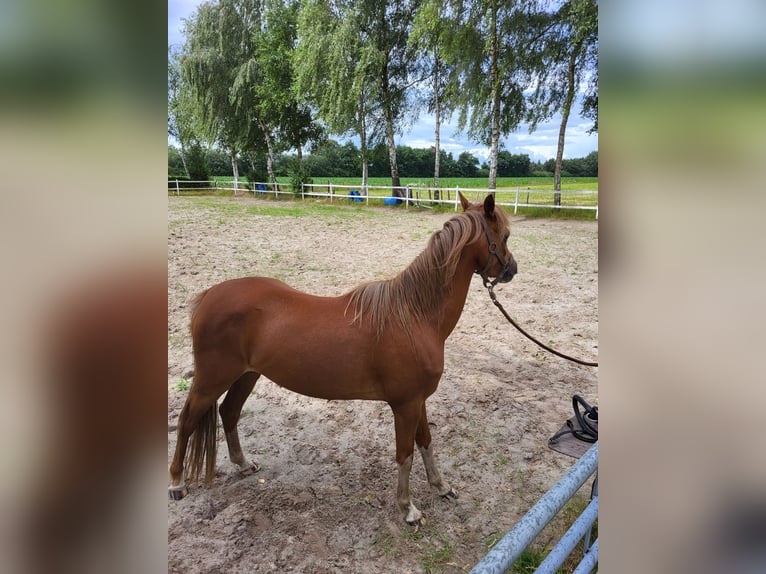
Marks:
<point>413,195</point>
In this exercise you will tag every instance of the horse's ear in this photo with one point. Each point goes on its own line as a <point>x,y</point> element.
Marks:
<point>463,201</point>
<point>489,205</point>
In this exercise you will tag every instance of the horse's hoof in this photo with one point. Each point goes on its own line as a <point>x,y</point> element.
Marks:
<point>178,492</point>
<point>417,524</point>
<point>451,495</point>
<point>250,470</point>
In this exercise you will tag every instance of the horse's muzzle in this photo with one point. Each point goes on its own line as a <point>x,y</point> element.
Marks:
<point>509,270</point>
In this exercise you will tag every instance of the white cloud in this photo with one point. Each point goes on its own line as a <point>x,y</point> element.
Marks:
<point>540,145</point>
<point>419,143</point>
<point>539,152</point>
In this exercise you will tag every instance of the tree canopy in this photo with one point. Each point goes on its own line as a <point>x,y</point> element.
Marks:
<point>334,159</point>
<point>258,78</point>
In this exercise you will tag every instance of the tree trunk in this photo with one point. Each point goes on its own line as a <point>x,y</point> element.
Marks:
<point>571,89</point>
<point>253,157</point>
<point>389,117</point>
<point>437,128</point>
<point>270,154</point>
<point>183,158</point>
<point>235,170</point>
<point>363,152</point>
<point>395,181</point>
<point>361,128</point>
<point>495,96</point>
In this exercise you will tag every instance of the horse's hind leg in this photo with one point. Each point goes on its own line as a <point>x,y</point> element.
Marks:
<point>198,421</point>
<point>231,407</point>
<point>423,440</point>
<point>198,415</point>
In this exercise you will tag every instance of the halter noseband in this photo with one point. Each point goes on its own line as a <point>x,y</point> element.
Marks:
<point>492,251</point>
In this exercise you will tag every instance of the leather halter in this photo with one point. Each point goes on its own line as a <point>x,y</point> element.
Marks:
<point>505,264</point>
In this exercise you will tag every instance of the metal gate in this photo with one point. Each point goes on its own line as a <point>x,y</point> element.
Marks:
<point>509,548</point>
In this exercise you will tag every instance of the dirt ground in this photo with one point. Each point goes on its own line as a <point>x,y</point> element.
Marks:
<point>324,499</point>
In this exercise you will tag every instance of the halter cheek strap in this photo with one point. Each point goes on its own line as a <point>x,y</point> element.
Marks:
<point>504,264</point>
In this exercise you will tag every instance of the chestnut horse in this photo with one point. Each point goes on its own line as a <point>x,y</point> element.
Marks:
<point>384,340</point>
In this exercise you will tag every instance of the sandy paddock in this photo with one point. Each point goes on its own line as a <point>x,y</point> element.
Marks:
<point>324,500</point>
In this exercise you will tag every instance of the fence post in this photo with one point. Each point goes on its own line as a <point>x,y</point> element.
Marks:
<point>331,192</point>
<point>178,192</point>
<point>516,205</point>
<point>367,193</point>
<point>457,190</point>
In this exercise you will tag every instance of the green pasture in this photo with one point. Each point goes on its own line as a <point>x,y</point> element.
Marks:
<point>234,208</point>
<point>531,183</point>
<point>530,190</point>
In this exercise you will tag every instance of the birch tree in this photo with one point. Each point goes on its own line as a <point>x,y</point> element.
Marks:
<point>386,27</point>
<point>567,57</point>
<point>216,38</point>
<point>430,30</point>
<point>283,121</point>
<point>330,70</point>
<point>354,63</point>
<point>491,70</point>
<point>179,120</point>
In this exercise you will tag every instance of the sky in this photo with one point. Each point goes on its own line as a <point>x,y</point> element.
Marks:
<point>539,145</point>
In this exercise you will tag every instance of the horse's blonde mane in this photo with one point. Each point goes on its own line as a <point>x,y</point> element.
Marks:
<point>415,295</point>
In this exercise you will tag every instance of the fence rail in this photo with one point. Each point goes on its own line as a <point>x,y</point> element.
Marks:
<point>502,556</point>
<point>410,195</point>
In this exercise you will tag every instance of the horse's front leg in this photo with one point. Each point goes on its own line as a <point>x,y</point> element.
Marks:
<point>425,446</point>
<point>406,419</point>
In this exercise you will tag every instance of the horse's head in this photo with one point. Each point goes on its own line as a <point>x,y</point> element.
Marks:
<point>496,260</point>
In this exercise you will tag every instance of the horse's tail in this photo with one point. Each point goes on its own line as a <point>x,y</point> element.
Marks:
<point>202,444</point>
<point>195,303</point>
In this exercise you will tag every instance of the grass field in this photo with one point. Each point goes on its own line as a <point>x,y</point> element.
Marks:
<point>532,183</point>
<point>538,192</point>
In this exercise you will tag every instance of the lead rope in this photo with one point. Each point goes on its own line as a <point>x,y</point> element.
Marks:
<point>491,290</point>
<point>587,432</point>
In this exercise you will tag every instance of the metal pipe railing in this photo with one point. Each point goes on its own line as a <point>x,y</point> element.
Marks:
<point>507,551</point>
<point>588,561</point>
<point>576,532</point>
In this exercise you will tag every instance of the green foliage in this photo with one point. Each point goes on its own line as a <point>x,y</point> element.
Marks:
<point>257,77</point>
<point>528,562</point>
<point>196,162</point>
<point>564,56</point>
<point>209,66</point>
<point>353,64</point>
<point>534,555</point>
<point>175,164</point>
<point>219,162</point>
<point>299,175</point>
<point>255,170</point>
<point>467,164</point>
<point>513,165</point>
<point>331,159</point>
